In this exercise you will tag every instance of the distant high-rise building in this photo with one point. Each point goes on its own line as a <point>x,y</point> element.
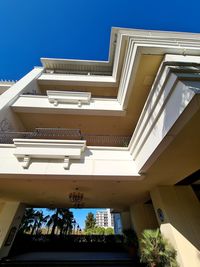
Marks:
<point>104,218</point>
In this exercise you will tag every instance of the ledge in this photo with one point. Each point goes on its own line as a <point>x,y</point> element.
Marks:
<point>27,149</point>
<point>40,104</point>
<point>76,80</point>
<point>94,164</point>
<point>56,97</point>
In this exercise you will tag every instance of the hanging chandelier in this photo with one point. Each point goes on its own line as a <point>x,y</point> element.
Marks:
<point>76,198</point>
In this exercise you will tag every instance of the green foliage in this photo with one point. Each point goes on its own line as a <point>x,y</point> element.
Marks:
<point>40,219</point>
<point>92,229</point>
<point>32,221</point>
<point>27,220</point>
<point>99,231</point>
<point>156,251</point>
<point>90,221</point>
<point>109,231</point>
<point>62,219</point>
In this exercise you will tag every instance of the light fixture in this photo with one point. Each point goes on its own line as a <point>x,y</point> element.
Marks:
<point>76,198</point>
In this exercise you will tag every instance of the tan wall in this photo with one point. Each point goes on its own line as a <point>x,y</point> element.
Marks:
<point>143,217</point>
<point>181,224</point>
<point>96,91</point>
<point>1,206</point>
<point>10,216</point>
<point>125,220</point>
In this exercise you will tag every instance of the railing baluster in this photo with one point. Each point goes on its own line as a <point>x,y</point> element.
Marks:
<point>66,134</point>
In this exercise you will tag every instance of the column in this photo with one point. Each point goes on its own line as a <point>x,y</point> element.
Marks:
<point>178,213</point>
<point>125,220</point>
<point>143,217</point>
<point>11,214</point>
<point>9,121</point>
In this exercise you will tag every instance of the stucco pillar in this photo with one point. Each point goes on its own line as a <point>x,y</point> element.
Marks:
<point>143,217</point>
<point>178,212</point>
<point>9,121</point>
<point>11,214</point>
<point>125,220</point>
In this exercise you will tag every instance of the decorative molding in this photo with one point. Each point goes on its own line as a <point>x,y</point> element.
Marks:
<point>94,107</point>
<point>183,43</point>
<point>158,91</point>
<point>26,162</point>
<point>81,67</point>
<point>137,42</point>
<point>79,98</point>
<point>171,93</point>
<point>66,163</point>
<point>5,126</point>
<point>9,82</point>
<point>27,149</point>
<point>127,71</point>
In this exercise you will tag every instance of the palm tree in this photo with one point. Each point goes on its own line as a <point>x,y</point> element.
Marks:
<point>35,220</point>
<point>27,220</point>
<point>62,219</point>
<point>54,219</point>
<point>40,220</point>
<point>66,221</point>
<point>156,250</point>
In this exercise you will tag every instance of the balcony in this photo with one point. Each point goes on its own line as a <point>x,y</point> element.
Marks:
<point>66,134</point>
<point>68,102</point>
<point>59,152</point>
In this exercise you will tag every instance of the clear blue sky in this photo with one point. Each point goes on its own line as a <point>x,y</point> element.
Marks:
<point>30,29</point>
<point>79,29</point>
<point>79,214</point>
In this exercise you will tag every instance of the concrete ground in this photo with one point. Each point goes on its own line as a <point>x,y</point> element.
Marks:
<point>70,256</point>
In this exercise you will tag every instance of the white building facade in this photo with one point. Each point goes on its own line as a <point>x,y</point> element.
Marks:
<point>125,132</point>
<point>104,218</point>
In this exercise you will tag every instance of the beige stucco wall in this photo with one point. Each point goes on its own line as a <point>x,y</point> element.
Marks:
<point>9,121</point>
<point>143,217</point>
<point>10,216</point>
<point>181,224</point>
<point>125,220</point>
<point>1,206</point>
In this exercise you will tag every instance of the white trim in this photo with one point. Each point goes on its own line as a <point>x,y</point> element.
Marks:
<point>27,149</point>
<point>79,98</point>
<point>41,104</point>
<point>23,85</point>
<point>169,93</point>
<point>70,79</point>
<point>139,42</point>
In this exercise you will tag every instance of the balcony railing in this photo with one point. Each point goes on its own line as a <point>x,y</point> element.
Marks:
<point>84,73</point>
<point>66,134</point>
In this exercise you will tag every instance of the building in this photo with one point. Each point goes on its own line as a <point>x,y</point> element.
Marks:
<point>104,218</point>
<point>117,224</point>
<point>123,134</point>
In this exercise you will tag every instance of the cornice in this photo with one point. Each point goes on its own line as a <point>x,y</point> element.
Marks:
<point>28,149</point>
<point>118,37</point>
<point>126,47</point>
